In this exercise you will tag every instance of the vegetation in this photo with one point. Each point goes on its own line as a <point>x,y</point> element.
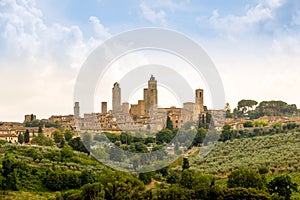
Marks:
<point>63,173</point>
<point>64,169</point>
<point>253,110</point>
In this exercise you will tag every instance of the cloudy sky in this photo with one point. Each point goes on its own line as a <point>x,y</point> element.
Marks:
<point>255,45</point>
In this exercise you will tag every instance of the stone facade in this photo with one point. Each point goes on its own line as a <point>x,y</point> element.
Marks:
<point>116,98</point>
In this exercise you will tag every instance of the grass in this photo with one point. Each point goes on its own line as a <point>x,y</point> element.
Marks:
<point>23,195</point>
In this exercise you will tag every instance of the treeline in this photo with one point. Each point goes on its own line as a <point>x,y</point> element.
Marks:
<point>253,110</point>
<point>228,133</point>
<point>40,123</point>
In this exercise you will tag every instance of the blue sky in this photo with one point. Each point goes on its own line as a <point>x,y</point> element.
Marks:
<point>254,44</point>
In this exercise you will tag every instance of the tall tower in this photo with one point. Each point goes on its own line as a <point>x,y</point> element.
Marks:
<point>199,100</point>
<point>116,97</point>
<point>76,110</point>
<point>103,107</point>
<point>150,95</point>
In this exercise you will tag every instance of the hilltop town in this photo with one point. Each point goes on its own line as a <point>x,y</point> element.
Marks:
<point>146,116</point>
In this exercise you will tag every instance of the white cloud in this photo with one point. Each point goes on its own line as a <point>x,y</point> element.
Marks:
<point>273,3</point>
<point>155,11</point>
<point>39,61</point>
<point>99,28</point>
<point>152,15</point>
<point>234,25</point>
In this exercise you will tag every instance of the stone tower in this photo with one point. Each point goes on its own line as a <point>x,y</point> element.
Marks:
<point>150,95</point>
<point>199,100</point>
<point>103,107</point>
<point>116,98</point>
<point>76,110</point>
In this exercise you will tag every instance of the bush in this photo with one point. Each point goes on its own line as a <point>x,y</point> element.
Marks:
<point>245,178</point>
<point>263,170</point>
<point>283,186</point>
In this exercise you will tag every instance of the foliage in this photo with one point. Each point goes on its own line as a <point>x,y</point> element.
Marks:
<point>169,124</point>
<point>59,138</point>
<point>248,124</point>
<point>283,186</point>
<point>200,136</point>
<point>186,164</point>
<point>78,145</point>
<point>226,133</point>
<point>146,177</point>
<point>246,104</point>
<point>68,135</point>
<point>173,177</point>
<point>26,136</point>
<point>245,193</point>
<point>276,108</point>
<point>41,139</point>
<point>280,153</point>
<point>20,138</point>
<point>164,136</point>
<point>245,178</point>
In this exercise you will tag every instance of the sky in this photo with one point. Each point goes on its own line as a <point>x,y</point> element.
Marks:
<point>254,44</point>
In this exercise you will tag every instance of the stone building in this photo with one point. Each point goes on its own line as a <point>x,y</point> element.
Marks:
<point>145,115</point>
<point>116,98</point>
<point>76,110</point>
<point>103,107</point>
<point>29,118</point>
<point>150,95</point>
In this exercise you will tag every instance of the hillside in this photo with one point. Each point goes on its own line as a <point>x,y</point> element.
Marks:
<point>279,152</point>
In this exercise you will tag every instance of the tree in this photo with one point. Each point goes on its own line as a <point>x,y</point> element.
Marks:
<point>187,178</point>
<point>244,193</point>
<point>245,105</point>
<point>126,138</point>
<point>200,136</point>
<point>186,164</point>
<point>140,147</point>
<point>77,145</point>
<point>201,185</point>
<point>58,137</point>
<point>93,191</point>
<point>228,113</point>
<point>66,152</point>
<point>283,186</point>
<point>173,177</point>
<point>226,133</point>
<point>276,108</point>
<point>26,136</point>
<point>68,135</point>
<point>245,178</point>
<point>169,124</point>
<point>41,139</point>
<point>146,177</point>
<point>164,136</point>
<point>209,121</point>
<point>10,180</point>
<point>20,138</point>
<point>40,130</point>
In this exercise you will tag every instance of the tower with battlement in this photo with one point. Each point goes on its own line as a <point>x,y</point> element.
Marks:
<point>150,95</point>
<point>199,101</point>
